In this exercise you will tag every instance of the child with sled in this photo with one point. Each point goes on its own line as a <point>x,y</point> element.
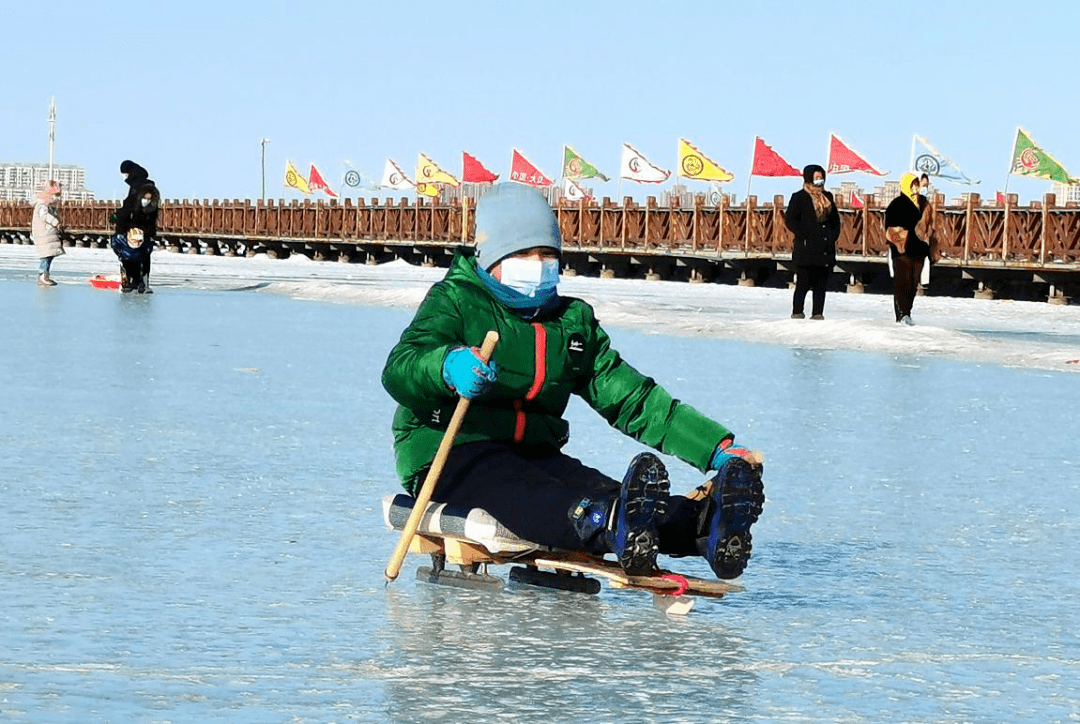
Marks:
<point>506,458</point>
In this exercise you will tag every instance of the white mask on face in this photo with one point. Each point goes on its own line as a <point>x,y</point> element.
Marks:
<point>529,276</point>
<point>144,202</point>
<point>819,182</point>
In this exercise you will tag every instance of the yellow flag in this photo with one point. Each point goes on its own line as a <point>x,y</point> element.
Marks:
<point>694,164</point>
<point>295,180</point>
<point>427,171</point>
<point>427,189</point>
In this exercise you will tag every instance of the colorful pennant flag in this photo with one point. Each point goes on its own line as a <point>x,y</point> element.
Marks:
<point>427,171</point>
<point>294,180</point>
<point>768,162</point>
<point>1000,199</point>
<point>856,200</point>
<point>928,160</point>
<point>425,189</point>
<point>316,182</point>
<point>473,172</point>
<point>694,164</point>
<point>1030,160</point>
<point>522,171</point>
<point>844,159</point>
<point>636,167</point>
<point>573,192</point>
<point>394,178</point>
<point>574,166</point>
<point>354,179</point>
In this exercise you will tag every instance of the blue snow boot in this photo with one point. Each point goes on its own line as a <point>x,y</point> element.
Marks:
<point>734,504</point>
<point>643,500</point>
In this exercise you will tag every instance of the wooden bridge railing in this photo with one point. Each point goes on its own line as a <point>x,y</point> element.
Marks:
<point>1038,235</point>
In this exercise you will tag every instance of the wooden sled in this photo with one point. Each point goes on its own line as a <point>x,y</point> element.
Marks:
<point>473,541</point>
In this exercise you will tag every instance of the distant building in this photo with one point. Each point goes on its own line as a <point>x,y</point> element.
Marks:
<point>885,193</point>
<point>21,181</point>
<point>845,191</point>
<point>1065,193</point>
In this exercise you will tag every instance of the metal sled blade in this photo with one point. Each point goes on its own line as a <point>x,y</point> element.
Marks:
<point>532,576</point>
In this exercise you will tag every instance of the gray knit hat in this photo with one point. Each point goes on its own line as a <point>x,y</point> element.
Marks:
<point>511,218</point>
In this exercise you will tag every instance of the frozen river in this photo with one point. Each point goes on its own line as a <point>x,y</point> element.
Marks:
<point>190,527</point>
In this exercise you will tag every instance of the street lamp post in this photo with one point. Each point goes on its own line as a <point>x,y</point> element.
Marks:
<point>262,144</point>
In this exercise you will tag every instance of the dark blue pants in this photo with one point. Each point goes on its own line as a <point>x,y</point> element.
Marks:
<point>535,493</point>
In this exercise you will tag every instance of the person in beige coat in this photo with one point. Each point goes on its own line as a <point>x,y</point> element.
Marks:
<point>45,230</point>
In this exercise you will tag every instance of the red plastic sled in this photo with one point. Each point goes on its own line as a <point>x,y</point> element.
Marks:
<point>100,281</point>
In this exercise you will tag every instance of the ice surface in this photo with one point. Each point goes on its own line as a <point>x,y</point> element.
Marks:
<point>190,524</point>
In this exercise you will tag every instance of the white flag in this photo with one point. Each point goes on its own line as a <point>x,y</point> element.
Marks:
<point>394,178</point>
<point>927,159</point>
<point>573,192</point>
<point>636,167</point>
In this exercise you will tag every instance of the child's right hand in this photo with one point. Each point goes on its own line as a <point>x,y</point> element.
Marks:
<point>465,372</point>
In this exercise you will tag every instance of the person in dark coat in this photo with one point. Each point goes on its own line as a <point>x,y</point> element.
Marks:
<point>812,217</point>
<point>134,176</point>
<point>136,228</point>
<point>906,228</point>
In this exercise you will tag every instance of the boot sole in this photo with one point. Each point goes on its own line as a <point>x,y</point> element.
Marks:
<point>742,496</point>
<point>644,497</point>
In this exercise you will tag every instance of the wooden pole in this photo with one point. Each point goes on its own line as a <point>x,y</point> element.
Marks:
<point>393,568</point>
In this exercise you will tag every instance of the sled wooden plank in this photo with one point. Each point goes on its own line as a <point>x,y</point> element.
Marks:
<point>619,578</point>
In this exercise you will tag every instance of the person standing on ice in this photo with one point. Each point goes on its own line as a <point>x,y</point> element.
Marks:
<point>136,228</point>
<point>507,457</point>
<point>812,217</point>
<point>907,222</point>
<point>45,231</point>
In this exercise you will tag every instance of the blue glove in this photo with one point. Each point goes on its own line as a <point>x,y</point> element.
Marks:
<point>464,371</point>
<point>726,450</point>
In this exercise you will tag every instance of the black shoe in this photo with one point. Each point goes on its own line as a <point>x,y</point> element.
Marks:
<point>735,503</point>
<point>643,499</point>
<point>798,315</point>
<point>818,316</point>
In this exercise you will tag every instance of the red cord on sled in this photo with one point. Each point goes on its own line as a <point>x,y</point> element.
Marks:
<point>683,584</point>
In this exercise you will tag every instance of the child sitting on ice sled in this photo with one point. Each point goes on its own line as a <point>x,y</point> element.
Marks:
<point>506,458</point>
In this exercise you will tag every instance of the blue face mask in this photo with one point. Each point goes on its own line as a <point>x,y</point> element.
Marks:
<point>532,278</point>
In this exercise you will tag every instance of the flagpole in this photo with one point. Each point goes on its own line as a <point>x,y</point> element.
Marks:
<point>1012,160</point>
<point>52,133</point>
<point>750,175</point>
<point>911,163</point>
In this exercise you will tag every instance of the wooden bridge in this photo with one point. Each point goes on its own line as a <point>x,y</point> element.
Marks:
<point>985,249</point>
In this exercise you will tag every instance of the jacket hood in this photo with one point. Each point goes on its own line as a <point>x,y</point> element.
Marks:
<point>148,187</point>
<point>908,186</point>
<point>808,172</point>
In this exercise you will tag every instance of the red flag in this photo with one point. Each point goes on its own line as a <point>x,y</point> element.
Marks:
<point>473,172</point>
<point>856,202</point>
<point>843,159</point>
<point>768,162</point>
<point>524,172</point>
<point>1000,199</point>
<point>316,183</point>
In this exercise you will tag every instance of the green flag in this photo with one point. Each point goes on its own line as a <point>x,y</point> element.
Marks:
<point>1030,160</point>
<point>574,166</point>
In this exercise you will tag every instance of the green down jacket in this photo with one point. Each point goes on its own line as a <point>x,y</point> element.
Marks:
<point>541,363</point>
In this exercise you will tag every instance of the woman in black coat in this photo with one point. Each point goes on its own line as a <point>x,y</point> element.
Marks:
<point>906,220</point>
<point>812,217</point>
<point>136,228</point>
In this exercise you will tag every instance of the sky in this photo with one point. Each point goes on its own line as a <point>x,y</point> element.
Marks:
<point>188,90</point>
